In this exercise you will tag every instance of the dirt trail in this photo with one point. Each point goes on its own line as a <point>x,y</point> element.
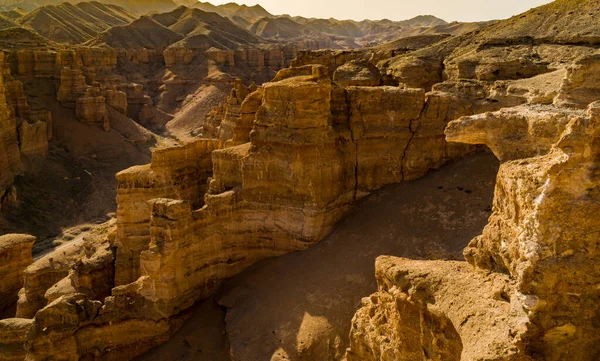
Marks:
<point>299,306</point>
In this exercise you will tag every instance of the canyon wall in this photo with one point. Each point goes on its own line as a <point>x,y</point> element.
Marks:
<point>15,256</point>
<point>537,295</point>
<point>284,163</point>
<point>287,161</point>
<point>10,158</point>
<point>93,80</point>
<point>23,133</point>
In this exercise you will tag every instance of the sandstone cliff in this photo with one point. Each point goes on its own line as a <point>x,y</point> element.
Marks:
<point>309,157</point>
<point>10,160</point>
<point>15,256</point>
<point>281,164</point>
<point>536,300</point>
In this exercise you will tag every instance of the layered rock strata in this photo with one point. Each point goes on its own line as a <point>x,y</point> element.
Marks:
<point>15,256</point>
<point>310,156</point>
<point>91,108</point>
<point>33,138</point>
<point>178,172</point>
<point>285,163</point>
<point>10,157</point>
<point>536,297</point>
<point>357,73</point>
<point>85,267</point>
<point>13,332</point>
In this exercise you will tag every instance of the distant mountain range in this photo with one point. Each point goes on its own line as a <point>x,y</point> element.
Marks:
<point>75,23</point>
<point>201,25</point>
<point>137,6</point>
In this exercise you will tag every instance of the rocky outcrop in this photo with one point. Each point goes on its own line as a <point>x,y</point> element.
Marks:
<point>279,198</point>
<point>276,194</point>
<point>413,71</point>
<point>284,163</point>
<point>44,116</point>
<point>33,138</point>
<point>15,256</point>
<point>17,99</point>
<point>434,310</point>
<point>213,120</point>
<point>232,124</point>
<point>117,99</point>
<point>242,126</point>
<point>72,86</point>
<point>85,266</point>
<point>513,133</point>
<point>10,157</point>
<point>232,121</point>
<point>254,59</point>
<point>537,298</point>
<point>357,73</point>
<point>580,85</point>
<point>382,121</point>
<point>139,104</point>
<point>331,59</point>
<point>91,108</point>
<point>13,332</point>
<point>178,172</point>
<point>178,56</point>
<point>56,332</point>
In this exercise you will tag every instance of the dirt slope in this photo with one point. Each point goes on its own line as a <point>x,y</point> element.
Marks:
<point>205,29</point>
<point>135,6</point>
<point>142,33</point>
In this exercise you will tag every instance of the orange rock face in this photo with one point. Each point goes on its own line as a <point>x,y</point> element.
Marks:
<point>13,332</point>
<point>536,298</point>
<point>310,155</point>
<point>284,163</point>
<point>10,158</point>
<point>91,108</point>
<point>180,172</point>
<point>15,256</point>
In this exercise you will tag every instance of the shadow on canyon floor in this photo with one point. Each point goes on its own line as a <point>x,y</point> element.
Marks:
<point>299,306</point>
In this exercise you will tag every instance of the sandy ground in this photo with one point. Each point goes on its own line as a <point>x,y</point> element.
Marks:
<point>299,306</point>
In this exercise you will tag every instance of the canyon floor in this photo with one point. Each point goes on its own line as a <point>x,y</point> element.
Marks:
<point>300,305</point>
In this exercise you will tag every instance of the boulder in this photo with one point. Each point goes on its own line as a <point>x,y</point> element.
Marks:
<point>357,73</point>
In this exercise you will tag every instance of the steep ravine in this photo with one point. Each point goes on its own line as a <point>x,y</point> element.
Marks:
<point>299,306</point>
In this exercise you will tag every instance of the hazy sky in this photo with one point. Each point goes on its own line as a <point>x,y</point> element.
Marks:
<point>449,10</point>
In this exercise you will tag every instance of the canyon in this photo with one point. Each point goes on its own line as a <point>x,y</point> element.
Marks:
<point>185,181</point>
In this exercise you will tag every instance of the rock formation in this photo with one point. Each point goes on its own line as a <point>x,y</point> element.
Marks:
<point>10,159</point>
<point>580,86</point>
<point>537,299</point>
<point>179,172</point>
<point>15,256</point>
<point>117,99</point>
<point>91,108</point>
<point>357,73</point>
<point>276,194</point>
<point>72,86</point>
<point>13,332</point>
<point>33,138</point>
<point>279,164</point>
<point>309,157</point>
